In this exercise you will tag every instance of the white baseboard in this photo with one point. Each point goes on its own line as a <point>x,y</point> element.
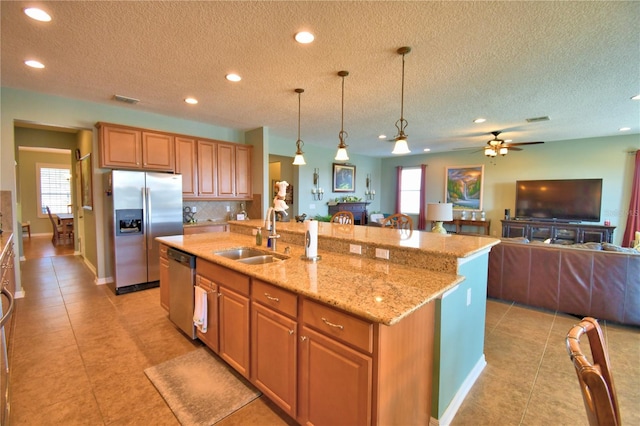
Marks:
<point>22,258</point>
<point>458,399</point>
<point>19,294</point>
<point>103,281</point>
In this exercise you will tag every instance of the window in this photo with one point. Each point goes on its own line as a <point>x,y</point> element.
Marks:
<point>54,188</point>
<point>410,190</point>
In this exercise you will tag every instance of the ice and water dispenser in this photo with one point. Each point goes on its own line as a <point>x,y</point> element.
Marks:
<point>129,222</point>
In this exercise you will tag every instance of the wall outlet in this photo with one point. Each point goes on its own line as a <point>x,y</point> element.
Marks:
<point>228,209</point>
<point>382,253</point>
<point>194,209</point>
<point>468,296</point>
<point>355,249</point>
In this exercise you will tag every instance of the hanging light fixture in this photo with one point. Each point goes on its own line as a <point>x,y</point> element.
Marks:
<point>342,155</point>
<point>299,158</point>
<point>401,146</point>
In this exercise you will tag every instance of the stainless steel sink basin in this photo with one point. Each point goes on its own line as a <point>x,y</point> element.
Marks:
<point>259,260</point>
<point>251,256</point>
<point>240,253</point>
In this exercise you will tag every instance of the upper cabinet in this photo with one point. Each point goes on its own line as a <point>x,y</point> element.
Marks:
<point>123,147</point>
<point>185,165</point>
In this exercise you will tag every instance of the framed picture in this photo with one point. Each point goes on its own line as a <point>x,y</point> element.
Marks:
<point>464,186</point>
<point>344,178</point>
<point>86,186</point>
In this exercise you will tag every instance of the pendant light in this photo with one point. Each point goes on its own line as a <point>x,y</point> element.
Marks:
<point>342,155</point>
<point>299,158</point>
<point>401,146</point>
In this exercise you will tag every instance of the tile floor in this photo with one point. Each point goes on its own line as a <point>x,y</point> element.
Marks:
<point>78,353</point>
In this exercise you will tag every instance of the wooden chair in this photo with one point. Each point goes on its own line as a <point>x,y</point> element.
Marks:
<point>60,233</point>
<point>26,226</point>
<point>398,221</point>
<point>594,377</point>
<point>343,218</point>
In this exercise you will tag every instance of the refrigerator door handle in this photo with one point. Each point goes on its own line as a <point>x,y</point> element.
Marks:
<point>145,217</point>
<point>149,216</point>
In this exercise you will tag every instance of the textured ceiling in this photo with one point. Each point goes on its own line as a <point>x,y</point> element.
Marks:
<point>576,62</point>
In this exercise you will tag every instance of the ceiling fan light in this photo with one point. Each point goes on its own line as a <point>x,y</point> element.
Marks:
<point>503,150</point>
<point>490,151</point>
<point>342,155</point>
<point>401,147</point>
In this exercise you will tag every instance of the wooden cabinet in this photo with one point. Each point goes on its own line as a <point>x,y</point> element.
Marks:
<point>558,232</point>
<point>186,165</point>
<point>226,170</point>
<point>359,210</point>
<point>243,186</point>
<point>207,163</point>
<point>211,337</point>
<point>164,278</point>
<point>123,147</point>
<point>223,171</point>
<point>274,359</point>
<point>233,313</point>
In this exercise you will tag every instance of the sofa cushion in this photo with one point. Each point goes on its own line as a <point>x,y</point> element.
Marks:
<point>613,247</point>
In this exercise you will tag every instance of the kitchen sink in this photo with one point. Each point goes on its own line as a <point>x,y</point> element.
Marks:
<point>259,260</point>
<point>251,256</point>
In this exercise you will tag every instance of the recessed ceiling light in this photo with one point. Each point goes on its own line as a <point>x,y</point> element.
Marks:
<point>479,120</point>
<point>427,149</point>
<point>37,14</point>
<point>636,98</point>
<point>191,101</point>
<point>233,77</point>
<point>34,64</point>
<point>625,129</point>
<point>304,37</point>
<point>382,137</point>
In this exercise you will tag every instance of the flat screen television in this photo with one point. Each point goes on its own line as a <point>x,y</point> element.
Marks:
<point>570,200</point>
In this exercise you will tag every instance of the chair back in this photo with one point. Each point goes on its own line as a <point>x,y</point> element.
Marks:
<point>54,225</point>
<point>398,221</point>
<point>343,218</point>
<point>594,376</point>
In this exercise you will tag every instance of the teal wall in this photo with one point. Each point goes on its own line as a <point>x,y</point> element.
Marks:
<point>607,158</point>
<point>459,334</point>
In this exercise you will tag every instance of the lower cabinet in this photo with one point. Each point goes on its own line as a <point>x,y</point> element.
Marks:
<point>335,382</point>
<point>321,365</point>
<point>164,278</point>
<point>274,334</point>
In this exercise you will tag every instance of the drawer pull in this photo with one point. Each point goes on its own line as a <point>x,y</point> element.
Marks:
<point>330,324</point>
<point>270,297</point>
<point>303,338</point>
<point>290,332</point>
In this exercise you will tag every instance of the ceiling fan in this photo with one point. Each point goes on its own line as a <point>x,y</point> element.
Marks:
<point>499,147</point>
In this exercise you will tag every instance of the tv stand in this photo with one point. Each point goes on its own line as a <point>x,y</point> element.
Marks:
<point>557,231</point>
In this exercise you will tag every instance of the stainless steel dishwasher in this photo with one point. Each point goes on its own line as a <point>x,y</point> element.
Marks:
<point>181,290</point>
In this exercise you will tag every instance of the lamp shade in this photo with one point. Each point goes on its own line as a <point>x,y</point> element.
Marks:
<point>441,212</point>
<point>401,147</point>
<point>299,160</point>
<point>342,155</point>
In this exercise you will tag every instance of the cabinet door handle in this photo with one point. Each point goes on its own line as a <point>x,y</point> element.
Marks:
<point>330,324</point>
<point>219,294</point>
<point>290,332</point>
<point>270,297</point>
<point>303,338</point>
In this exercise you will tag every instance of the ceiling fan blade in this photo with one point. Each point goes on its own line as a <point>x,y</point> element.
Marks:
<point>510,148</point>
<point>525,143</point>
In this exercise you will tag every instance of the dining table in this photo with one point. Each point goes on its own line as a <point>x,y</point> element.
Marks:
<point>65,219</point>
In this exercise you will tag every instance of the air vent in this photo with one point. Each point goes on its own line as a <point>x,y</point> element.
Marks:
<point>537,119</point>
<point>126,99</point>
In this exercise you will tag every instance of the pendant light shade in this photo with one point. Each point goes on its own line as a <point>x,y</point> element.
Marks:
<point>299,158</point>
<point>342,155</point>
<point>401,146</point>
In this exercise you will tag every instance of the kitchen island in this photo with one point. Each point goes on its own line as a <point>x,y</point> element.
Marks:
<point>397,304</point>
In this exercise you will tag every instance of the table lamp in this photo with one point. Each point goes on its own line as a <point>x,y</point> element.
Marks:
<point>438,213</point>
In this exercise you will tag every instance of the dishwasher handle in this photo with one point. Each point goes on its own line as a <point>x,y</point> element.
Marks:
<point>182,257</point>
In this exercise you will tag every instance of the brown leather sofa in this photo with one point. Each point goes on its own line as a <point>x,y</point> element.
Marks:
<point>583,282</point>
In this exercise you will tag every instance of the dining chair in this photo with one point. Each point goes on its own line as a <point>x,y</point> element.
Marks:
<point>594,376</point>
<point>398,221</point>
<point>60,232</point>
<point>343,217</point>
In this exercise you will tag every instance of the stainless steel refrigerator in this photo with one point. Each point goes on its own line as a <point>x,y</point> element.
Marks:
<point>141,206</point>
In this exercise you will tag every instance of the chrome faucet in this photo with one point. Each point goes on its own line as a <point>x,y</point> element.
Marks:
<point>273,235</point>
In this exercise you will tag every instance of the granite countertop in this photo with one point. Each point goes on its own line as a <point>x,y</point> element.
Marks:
<point>207,222</point>
<point>377,290</point>
<point>5,241</point>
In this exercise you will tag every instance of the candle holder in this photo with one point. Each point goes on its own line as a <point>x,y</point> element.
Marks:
<point>369,194</point>
<point>316,191</point>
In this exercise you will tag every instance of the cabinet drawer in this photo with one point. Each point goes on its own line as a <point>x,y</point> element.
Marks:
<point>338,325</point>
<point>221,275</point>
<point>276,298</point>
<point>163,251</point>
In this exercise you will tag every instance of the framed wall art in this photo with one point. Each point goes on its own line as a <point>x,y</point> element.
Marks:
<point>86,182</point>
<point>344,178</point>
<point>464,187</point>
